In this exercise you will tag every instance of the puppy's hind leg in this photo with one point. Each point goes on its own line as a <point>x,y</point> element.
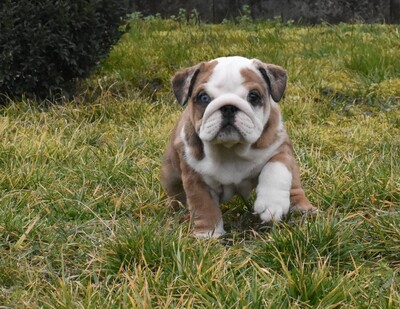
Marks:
<point>171,181</point>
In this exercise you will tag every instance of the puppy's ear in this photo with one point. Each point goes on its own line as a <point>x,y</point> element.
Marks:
<point>275,77</point>
<point>183,82</point>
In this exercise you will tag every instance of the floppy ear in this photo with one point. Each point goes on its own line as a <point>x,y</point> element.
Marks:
<point>183,82</point>
<point>275,77</point>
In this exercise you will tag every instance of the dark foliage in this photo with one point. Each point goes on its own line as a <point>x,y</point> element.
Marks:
<point>46,45</point>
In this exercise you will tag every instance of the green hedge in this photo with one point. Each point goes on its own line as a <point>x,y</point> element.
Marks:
<point>46,45</point>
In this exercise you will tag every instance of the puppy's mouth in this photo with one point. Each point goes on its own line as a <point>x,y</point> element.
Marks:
<point>228,134</point>
<point>228,127</point>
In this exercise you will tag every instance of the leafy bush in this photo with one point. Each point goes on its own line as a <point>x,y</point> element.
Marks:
<point>45,45</point>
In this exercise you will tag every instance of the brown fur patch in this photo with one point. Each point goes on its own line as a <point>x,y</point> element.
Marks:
<point>197,110</point>
<point>171,179</point>
<point>204,211</point>
<point>270,132</point>
<point>253,81</point>
<point>276,78</point>
<point>194,141</point>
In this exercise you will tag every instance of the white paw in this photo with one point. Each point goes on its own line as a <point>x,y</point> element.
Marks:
<point>217,232</point>
<point>273,192</point>
<point>209,234</point>
<point>272,208</point>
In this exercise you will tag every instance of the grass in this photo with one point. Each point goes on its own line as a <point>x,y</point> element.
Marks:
<point>85,224</point>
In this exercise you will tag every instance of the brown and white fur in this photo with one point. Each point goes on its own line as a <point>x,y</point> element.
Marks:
<point>230,140</point>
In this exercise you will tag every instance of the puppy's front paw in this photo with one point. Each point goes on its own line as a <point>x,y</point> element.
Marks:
<point>273,192</point>
<point>214,233</point>
<point>273,207</point>
<point>209,234</point>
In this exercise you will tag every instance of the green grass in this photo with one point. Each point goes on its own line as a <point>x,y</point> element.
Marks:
<point>85,224</point>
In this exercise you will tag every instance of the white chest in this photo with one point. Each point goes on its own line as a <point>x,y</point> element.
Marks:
<point>230,171</point>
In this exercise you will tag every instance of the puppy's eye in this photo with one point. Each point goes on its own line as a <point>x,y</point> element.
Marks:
<point>254,97</point>
<point>203,98</point>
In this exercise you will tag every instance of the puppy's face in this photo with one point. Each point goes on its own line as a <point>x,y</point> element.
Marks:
<point>230,98</point>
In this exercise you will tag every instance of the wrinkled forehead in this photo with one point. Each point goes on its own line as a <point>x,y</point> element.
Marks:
<point>231,74</point>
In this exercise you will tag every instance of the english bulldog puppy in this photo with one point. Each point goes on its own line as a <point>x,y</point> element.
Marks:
<point>229,140</point>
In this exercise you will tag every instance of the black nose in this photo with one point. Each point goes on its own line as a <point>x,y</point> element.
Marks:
<point>228,111</point>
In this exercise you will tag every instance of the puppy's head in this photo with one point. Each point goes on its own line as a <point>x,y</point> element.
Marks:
<point>230,98</point>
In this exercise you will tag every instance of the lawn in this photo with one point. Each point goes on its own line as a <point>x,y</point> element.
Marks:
<point>84,222</point>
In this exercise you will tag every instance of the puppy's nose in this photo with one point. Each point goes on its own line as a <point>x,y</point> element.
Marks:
<point>228,111</point>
